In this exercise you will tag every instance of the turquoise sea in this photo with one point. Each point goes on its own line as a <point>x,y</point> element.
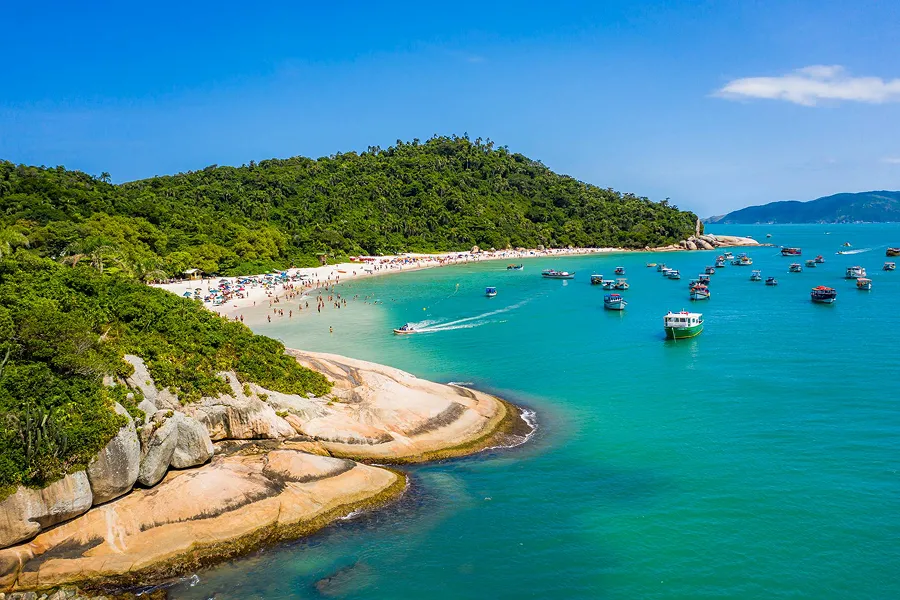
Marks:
<point>758,460</point>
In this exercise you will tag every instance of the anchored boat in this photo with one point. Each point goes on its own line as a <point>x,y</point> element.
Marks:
<point>756,276</point>
<point>614,302</point>
<point>608,284</point>
<point>490,292</point>
<point>892,252</point>
<point>700,292</point>
<point>889,266</point>
<point>854,273</point>
<point>742,260</point>
<point>771,281</point>
<point>823,295</point>
<point>785,251</point>
<point>703,278</point>
<point>820,259</point>
<point>810,264</point>
<point>620,270</point>
<point>710,270</point>
<point>660,267</point>
<point>554,274</point>
<point>622,284</point>
<point>682,325</point>
<point>673,274</point>
<point>795,268</point>
<point>864,284</point>
<point>720,262</point>
<point>596,279</point>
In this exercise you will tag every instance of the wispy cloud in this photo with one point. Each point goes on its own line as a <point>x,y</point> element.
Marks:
<point>810,85</point>
<point>891,160</point>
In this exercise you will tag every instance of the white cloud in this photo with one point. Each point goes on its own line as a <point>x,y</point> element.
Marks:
<point>810,85</point>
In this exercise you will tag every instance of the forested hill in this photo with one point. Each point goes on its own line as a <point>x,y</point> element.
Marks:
<point>871,207</point>
<point>448,193</point>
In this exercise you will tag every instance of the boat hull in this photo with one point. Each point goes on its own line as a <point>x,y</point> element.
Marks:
<point>402,332</point>
<point>680,333</point>
<point>824,300</point>
<point>559,276</point>
<point>615,306</point>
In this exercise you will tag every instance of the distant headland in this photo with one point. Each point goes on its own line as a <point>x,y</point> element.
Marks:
<point>861,207</point>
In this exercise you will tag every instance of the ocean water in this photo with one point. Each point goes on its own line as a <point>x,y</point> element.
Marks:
<point>758,460</point>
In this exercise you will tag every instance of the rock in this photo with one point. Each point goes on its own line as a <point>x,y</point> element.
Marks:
<point>159,438</point>
<point>690,245</point>
<point>705,245</point>
<point>197,515</point>
<point>115,469</point>
<point>142,380</point>
<point>237,416</point>
<point>194,446</point>
<point>26,512</point>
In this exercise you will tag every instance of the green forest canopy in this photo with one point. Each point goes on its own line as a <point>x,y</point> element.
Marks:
<point>448,193</point>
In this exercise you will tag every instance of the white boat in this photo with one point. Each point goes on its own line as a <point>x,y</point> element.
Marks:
<point>864,284</point>
<point>620,270</point>
<point>405,330</point>
<point>700,292</point>
<point>490,292</point>
<point>608,284</point>
<point>811,263</point>
<point>554,274</point>
<point>720,262</point>
<point>727,255</point>
<point>673,274</point>
<point>621,284</point>
<point>771,281</point>
<point>795,268</point>
<point>855,273</point>
<point>614,302</point>
<point>709,271</point>
<point>756,276</point>
<point>889,266</point>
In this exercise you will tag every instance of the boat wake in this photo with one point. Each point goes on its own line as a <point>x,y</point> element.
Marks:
<point>857,251</point>
<point>464,323</point>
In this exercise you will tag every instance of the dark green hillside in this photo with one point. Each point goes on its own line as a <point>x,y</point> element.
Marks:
<point>444,194</point>
<point>869,207</point>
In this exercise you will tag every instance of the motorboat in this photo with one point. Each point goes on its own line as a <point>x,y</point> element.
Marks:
<point>820,259</point>
<point>700,292</point>
<point>651,264</point>
<point>756,276</point>
<point>554,274</point>
<point>892,252</point>
<point>490,292</point>
<point>864,284</point>
<point>608,284</point>
<point>709,271</point>
<point>620,270</point>
<point>795,268</point>
<point>742,260</point>
<point>515,267</point>
<point>596,279</point>
<point>785,251</point>
<point>682,325</point>
<point>720,262</point>
<point>703,278</point>
<point>673,274</point>
<point>771,281</point>
<point>855,273</point>
<point>622,284</point>
<point>810,264</point>
<point>405,330</point>
<point>614,302</point>
<point>889,266</point>
<point>727,255</point>
<point>823,295</point>
<point>660,267</point>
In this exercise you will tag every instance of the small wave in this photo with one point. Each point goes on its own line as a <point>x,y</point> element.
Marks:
<point>351,515</point>
<point>858,251</point>
<point>530,419</point>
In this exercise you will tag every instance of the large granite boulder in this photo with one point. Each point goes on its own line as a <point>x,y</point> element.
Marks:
<point>115,469</point>
<point>154,399</point>
<point>26,512</point>
<point>193,446</point>
<point>171,438</point>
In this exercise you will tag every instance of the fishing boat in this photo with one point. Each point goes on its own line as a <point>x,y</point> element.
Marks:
<point>614,302</point>
<point>490,292</point>
<point>892,252</point>
<point>514,267</point>
<point>820,259</point>
<point>682,325</point>
<point>864,284</point>
<point>700,292</point>
<point>720,262</point>
<point>405,330</point>
<point>785,251</point>
<point>823,295</point>
<point>846,244</point>
<point>710,270</point>
<point>727,255</point>
<point>651,264</point>
<point>666,271</point>
<point>620,270</point>
<point>596,279</point>
<point>703,278</point>
<point>554,274</point>
<point>673,274</point>
<point>608,284</point>
<point>660,267</point>
<point>756,275</point>
<point>742,260</point>
<point>771,281</point>
<point>795,268</point>
<point>810,264</point>
<point>622,284</point>
<point>854,273</point>
<point>889,266</point>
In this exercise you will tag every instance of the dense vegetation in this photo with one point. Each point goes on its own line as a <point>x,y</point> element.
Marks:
<point>868,207</point>
<point>62,329</point>
<point>444,194</point>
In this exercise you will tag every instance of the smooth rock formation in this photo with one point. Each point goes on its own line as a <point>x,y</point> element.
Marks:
<point>193,517</point>
<point>193,446</point>
<point>170,438</point>
<point>26,512</point>
<point>141,379</point>
<point>115,469</point>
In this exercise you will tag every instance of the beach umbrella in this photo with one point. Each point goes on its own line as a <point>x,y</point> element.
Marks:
<point>187,294</point>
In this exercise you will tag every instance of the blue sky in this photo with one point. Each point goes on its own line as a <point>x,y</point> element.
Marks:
<point>716,105</point>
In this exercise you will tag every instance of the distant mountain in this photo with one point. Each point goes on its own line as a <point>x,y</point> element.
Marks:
<point>872,207</point>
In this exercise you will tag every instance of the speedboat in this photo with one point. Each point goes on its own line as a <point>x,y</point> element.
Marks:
<point>673,274</point>
<point>514,267</point>
<point>795,268</point>
<point>620,270</point>
<point>810,264</point>
<point>700,292</point>
<point>771,281</point>
<point>490,292</point>
<point>854,273</point>
<point>720,262</point>
<point>614,302</point>
<point>554,274</point>
<point>864,284</point>
<point>405,330</point>
<point>823,295</point>
<point>756,275</point>
<point>820,259</point>
<point>608,284</point>
<point>889,266</point>
<point>785,251</point>
<point>846,244</point>
<point>622,284</point>
<point>596,279</point>
<point>682,325</point>
<point>710,270</point>
<point>892,252</point>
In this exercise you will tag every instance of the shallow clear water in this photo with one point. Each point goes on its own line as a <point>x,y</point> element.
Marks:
<point>757,460</point>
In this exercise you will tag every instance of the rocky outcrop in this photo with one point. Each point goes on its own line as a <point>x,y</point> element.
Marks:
<point>154,399</point>
<point>26,512</point>
<point>115,469</point>
<point>171,438</point>
<point>220,510</point>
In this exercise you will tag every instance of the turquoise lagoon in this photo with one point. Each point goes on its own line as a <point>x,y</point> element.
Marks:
<point>758,460</point>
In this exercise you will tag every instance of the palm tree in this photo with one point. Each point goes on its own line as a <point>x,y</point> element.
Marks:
<point>10,238</point>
